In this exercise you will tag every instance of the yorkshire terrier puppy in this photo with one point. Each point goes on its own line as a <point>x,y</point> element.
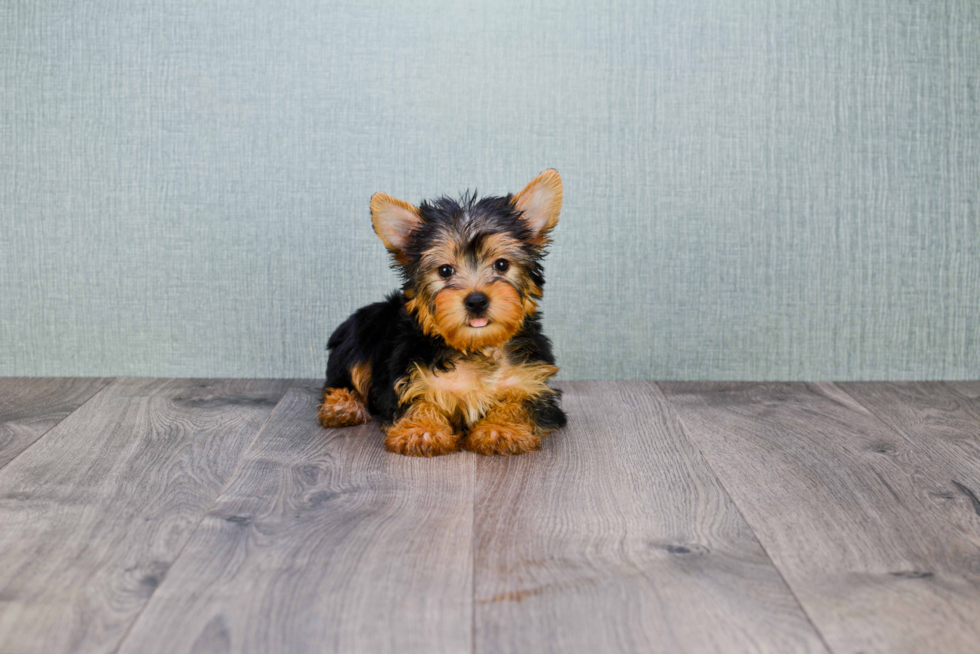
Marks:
<point>456,358</point>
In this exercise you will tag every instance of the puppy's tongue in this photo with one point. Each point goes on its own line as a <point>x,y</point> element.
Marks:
<point>478,322</point>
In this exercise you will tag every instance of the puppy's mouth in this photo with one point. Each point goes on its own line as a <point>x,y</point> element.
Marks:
<point>477,323</point>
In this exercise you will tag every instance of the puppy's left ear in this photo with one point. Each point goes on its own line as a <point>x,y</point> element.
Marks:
<point>540,204</point>
<point>394,221</point>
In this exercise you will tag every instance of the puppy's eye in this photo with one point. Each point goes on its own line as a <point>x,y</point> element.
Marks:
<point>446,271</point>
<point>501,265</point>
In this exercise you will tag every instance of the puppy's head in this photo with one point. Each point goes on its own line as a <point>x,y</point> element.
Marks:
<point>472,268</point>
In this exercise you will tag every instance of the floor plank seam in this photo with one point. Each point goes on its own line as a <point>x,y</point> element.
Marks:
<point>204,515</point>
<point>112,381</point>
<point>721,483</point>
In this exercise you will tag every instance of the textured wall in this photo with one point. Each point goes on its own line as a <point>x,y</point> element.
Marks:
<point>754,189</point>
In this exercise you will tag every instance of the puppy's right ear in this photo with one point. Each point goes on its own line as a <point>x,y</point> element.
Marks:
<point>394,221</point>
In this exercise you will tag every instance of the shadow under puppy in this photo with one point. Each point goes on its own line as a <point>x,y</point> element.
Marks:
<point>457,357</point>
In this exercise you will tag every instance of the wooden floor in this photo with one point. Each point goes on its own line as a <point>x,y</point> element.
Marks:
<point>150,515</point>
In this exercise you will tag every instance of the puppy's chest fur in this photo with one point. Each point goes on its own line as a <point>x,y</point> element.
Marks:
<point>467,386</point>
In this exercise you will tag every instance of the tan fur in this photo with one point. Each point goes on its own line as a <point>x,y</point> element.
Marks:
<point>506,315</point>
<point>342,407</point>
<point>393,221</point>
<point>450,320</point>
<point>438,306</point>
<point>444,248</point>
<point>540,202</point>
<point>495,246</point>
<point>498,246</point>
<point>360,375</point>
<point>531,296</point>
<point>422,431</point>
<point>475,384</point>
<point>507,429</point>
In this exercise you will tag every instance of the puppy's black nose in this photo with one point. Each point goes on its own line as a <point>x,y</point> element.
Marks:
<point>476,302</point>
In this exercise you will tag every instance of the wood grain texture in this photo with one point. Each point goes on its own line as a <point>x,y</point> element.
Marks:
<point>968,389</point>
<point>29,407</point>
<point>935,419</point>
<point>617,537</point>
<point>94,514</point>
<point>877,544</point>
<point>323,542</point>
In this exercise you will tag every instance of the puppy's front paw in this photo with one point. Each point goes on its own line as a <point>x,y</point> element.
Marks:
<point>421,438</point>
<point>342,407</point>
<point>502,434</point>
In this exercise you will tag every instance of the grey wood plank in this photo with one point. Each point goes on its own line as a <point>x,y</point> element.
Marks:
<point>874,540</point>
<point>938,421</point>
<point>323,542</point>
<point>617,537</point>
<point>969,389</point>
<point>30,406</point>
<point>95,512</point>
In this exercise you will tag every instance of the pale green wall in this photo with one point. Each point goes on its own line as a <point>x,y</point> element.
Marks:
<point>758,189</point>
